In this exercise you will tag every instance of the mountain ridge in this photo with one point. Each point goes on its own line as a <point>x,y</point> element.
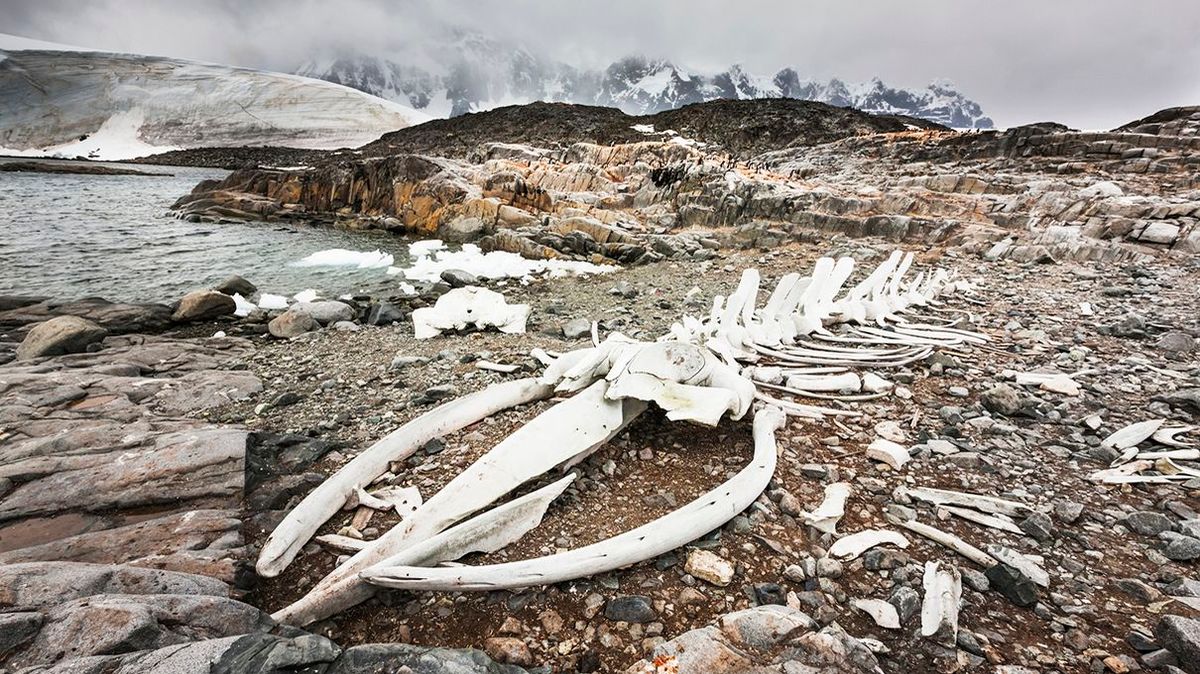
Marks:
<point>474,74</point>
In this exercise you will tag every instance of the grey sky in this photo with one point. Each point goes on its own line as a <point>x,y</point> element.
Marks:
<point>1087,63</point>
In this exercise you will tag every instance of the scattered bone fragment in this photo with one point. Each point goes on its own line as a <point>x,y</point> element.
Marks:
<point>1001,522</point>
<point>882,612</point>
<point>503,368</point>
<point>1133,434</point>
<point>343,544</point>
<point>939,610</point>
<point>1166,436</point>
<point>888,452</point>
<point>988,504</point>
<point>849,547</point>
<point>875,384</point>
<point>949,540</point>
<point>826,516</point>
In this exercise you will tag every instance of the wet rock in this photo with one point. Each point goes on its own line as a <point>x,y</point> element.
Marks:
<point>203,304</point>
<point>65,334</point>
<point>236,285</point>
<point>709,567</point>
<point>384,313</point>
<point>292,323</point>
<point>1148,523</point>
<point>1013,584</point>
<point>630,609</point>
<point>457,278</point>
<point>325,312</point>
<point>1180,636</point>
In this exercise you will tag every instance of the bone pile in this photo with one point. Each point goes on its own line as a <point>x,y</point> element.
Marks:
<point>809,340</point>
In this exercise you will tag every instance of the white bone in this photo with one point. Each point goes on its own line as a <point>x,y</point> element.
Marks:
<point>849,547</point>
<point>584,422</point>
<point>282,546</point>
<point>826,516</point>
<point>661,535</point>
<point>1166,436</point>
<point>1020,562</point>
<point>949,540</point>
<point>939,610</point>
<point>1001,522</point>
<point>1133,434</point>
<point>882,449</point>
<point>987,504</point>
<point>469,306</point>
<point>883,613</point>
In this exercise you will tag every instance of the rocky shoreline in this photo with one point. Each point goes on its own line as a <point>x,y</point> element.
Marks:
<point>147,450</point>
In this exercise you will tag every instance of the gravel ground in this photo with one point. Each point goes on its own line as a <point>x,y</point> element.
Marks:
<point>343,386</point>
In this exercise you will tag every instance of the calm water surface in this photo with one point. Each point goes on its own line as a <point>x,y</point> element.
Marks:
<point>71,236</point>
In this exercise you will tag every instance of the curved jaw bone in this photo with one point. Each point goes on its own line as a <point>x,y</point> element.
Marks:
<point>666,533</point>
<point>686,380</point>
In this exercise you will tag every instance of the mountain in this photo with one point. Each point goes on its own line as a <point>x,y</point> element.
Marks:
<point>471,73</point>
<point>58,100</point>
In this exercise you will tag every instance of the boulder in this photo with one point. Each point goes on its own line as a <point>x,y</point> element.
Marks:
<point>203,304</point>
<point>65,334</point>
<point>1176,343</point>
<point>458,278</point>
<point>1003,399</point>
<point>326,312</point>
<point>376,658</point>
<point>577,328</point>
<point>236,285</point>
<point>292,323</point>
<point>1180,636</point>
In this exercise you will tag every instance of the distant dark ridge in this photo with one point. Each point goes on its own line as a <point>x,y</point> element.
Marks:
<point>743,128</point>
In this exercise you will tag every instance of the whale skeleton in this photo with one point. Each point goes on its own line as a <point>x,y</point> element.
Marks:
<point>804,341</point>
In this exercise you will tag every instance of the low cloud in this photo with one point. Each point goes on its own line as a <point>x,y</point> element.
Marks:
<point>1085,63</point>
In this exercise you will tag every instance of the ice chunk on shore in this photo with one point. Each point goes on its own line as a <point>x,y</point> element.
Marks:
<point>430,258</point>
<point>306,295</point>
<point>269,302</point>
<point>243,307</point>
<point>340,257</point>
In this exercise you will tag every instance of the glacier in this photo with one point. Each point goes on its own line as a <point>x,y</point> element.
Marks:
<point>59,100</point>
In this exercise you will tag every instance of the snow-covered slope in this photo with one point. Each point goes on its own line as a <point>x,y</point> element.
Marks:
<point>66,101</point>
<point>469,73</point>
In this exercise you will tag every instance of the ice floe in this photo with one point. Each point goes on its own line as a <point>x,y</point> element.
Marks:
<point>341,257</point>
<point>431,257</point>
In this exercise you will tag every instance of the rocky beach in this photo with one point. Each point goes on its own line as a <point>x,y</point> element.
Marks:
<point>150,450</point>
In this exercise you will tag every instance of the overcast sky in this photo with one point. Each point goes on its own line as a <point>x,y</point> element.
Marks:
<point>1088,63</point>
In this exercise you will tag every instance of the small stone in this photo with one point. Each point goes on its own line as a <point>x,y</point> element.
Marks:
<point>828,567</point>
<point>292,324</point>
<point>1068,511</point>
<point>1180,636</point>
<point>457,278</point>
<point>1013,584</point>
<point>508,650</point>
<point>907,601</point>
<point>976,580</point>
<point>770,593</point>
<point>1002,399</point>
<point>577,328</point>
<point>236,285</point>
<point>630,609</point>
<point>1039,527</point>
<point>709,568</point>
<point>1176,343</point>
<point>1148,522</point>
<point>1183,549</point>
